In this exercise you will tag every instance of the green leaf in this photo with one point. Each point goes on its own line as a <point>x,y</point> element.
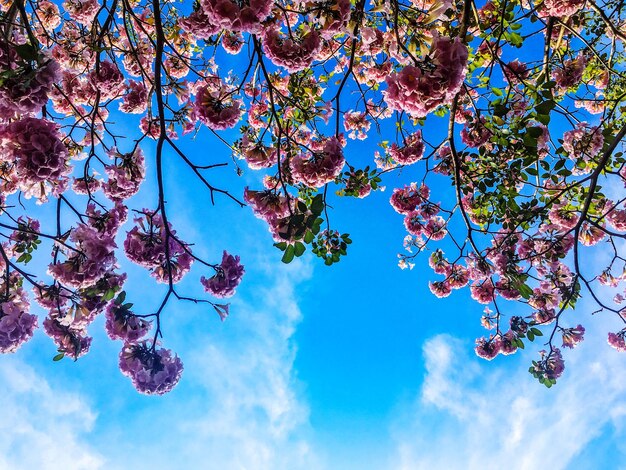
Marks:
<point>317,205</point>
<point>299,249</point>
<point>58,357</point>
<point>288,255</point>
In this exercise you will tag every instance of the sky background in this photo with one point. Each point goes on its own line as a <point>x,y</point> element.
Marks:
<point>354,366</point>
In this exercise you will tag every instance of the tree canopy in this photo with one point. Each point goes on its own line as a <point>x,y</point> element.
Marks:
<point>509,116</point>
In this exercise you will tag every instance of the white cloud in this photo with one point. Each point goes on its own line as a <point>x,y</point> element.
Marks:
<point>255,418</point>
<point>238,405</point>
<point>476,415</point>
<point>42,427</point>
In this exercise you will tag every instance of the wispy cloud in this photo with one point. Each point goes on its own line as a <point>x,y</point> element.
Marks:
<point>476,415</point>
<point>42,427</point>
<point>239,405</point>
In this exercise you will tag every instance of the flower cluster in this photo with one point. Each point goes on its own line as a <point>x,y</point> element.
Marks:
<point>227,277</point>
<point>420,90</point>
<point>151,245</point>
<point>321,167</point>
<point>153,371</point>
<point>244,16</point>
<point>292,52</point>
<point>125,176</point>
<point>34,148</point>
<point>216,112</point>
<point>16,324</point>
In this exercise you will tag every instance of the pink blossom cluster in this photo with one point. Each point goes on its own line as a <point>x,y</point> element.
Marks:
<point>151,245</point>
<point>125,176</point>
<point>616,340</point>
<point>241,16</point>
<point>135,101</point>
<point>584,142</point>
<point>33,146</point>
<point>357,124</point>
<point>273,208</point>
<point>215,111</point>
<point>573,336</point>
<point>292,52</point>
<point>153,371</point>
<point>420,90</point>
<point>107,80</point>
<point>199,24</point>
<point>71,340</point>
<point>332,17</point>
<point>571,74</point>
<point>227,277</point>
<point>25,90</point>
<point>122,324</point>
<point>83,11</point>
<point>405,200</point>
<point>411,152</point>
<point>91,258</point>
<point>560,8</point>
<point>475,134</point>
<point>319,168</point>
<point>16,324</point>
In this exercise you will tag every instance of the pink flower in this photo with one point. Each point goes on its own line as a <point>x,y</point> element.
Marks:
<point>71,341</point>
<point>16,324</point>
<point>108,80</point>
<point>267,205</point>
<point>616,340</point>
<point>125,176</point>
<point>122,324</point>
<point>216,112</point>
<point>356,124</point>
<point>291,52</point>
<point>419,91</point>
<point>508,343</point>
<point>560,8</point>
<point>145,245</point>
<point>405,200</point>
<point>475,134</point>
<point>34,145</point>
<point>411,152</point>
<point>321,167</point>
<point>89,261</point>
<point>488,349</point>
<point>483,292</point>
<point>135,100</point>
<point>83,11</point>
<point>152,371</point>
<point>226,279</point>
<point>441,289</point>
<point>199,24</point>
<point>584,142</point>
<point>25,90</point>
<point>551,366</point>
<point>573,336</point>
<point>237,16</point>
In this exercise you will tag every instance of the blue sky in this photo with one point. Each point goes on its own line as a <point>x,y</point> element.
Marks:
<point>356,366</point>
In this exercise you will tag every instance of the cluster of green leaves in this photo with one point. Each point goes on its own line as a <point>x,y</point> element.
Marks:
<point>301,227</point>
<point>330,246</point>
<point>27,245</point>
<point>355,180</point>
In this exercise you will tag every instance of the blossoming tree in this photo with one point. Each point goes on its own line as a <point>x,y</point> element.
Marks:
<point>518,104</point>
